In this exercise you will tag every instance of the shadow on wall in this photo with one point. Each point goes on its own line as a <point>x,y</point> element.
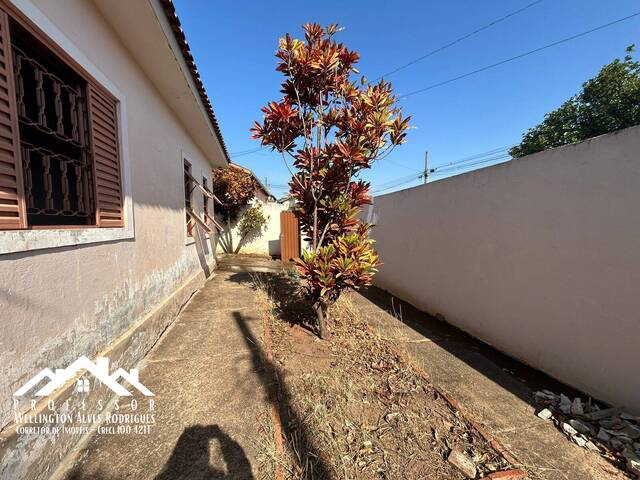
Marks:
<point>274,248</point>
<point>226,238</point>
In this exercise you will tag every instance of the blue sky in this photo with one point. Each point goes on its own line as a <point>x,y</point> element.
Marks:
<point>234,45</point>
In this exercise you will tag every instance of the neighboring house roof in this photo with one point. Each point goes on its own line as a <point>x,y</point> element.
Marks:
<point>174,21</point>
<point>255,177</point>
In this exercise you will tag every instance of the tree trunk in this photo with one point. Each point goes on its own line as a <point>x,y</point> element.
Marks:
<point>321,312</point>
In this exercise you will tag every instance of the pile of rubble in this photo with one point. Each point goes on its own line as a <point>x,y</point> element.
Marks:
<point>609,431</point>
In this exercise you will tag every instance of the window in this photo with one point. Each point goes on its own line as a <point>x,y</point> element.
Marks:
<point>59,149</point>
<point>188,189</point>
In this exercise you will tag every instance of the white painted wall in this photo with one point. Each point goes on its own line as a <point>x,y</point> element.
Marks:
<point>539,257</point>
<point>268,242</point>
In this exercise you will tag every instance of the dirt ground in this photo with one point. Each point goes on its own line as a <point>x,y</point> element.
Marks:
<point>353,406</point>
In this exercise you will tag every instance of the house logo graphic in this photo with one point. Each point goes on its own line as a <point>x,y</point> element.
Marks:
<point>99,369</point>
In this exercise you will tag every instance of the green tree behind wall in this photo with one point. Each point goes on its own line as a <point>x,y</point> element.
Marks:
<point>608,102</point>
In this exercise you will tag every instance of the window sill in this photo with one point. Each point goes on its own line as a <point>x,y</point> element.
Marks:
<point>14,241</point>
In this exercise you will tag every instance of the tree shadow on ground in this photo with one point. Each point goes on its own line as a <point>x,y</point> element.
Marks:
<point>516,377</point>
<point>288,299</point>
<point>190,457</point>
<point>293,427</point>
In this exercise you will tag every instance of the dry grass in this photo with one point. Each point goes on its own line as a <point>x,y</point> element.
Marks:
<point>352,407</point>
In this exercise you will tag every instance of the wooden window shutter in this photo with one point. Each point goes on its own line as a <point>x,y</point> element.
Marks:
<point>106,159</point>
<point>12,202</point>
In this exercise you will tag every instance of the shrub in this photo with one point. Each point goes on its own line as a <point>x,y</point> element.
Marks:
<point>332,128</point>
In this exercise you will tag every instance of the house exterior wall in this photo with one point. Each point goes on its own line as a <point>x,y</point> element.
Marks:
<point>61,303</point>
<point>537,257</point>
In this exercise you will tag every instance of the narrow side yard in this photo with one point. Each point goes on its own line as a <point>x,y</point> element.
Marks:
<point>244,390</point>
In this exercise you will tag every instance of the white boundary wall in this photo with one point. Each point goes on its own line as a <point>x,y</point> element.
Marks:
<point>539,257</point>
<point>267,242</point>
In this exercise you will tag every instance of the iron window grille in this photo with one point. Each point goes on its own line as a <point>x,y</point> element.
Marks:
<point>54,144</point>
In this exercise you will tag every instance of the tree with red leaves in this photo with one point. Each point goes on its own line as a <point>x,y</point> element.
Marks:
<point>235,187</point>
<point>332,128</point>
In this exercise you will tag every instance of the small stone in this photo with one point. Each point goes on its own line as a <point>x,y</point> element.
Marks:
<point>568,429</point>
<point>545,414</point>
<point>603,435</point>
<point>630,454</point>
<point>593,447</point>
<point>606,413</point>
<point>579,440</point>
<point>580,426</point>
<point>616,444</point>
<point>624,439</point>
<point>615,424</point>
<point>576,407</point>
<point>631,431</point>
<point>565,403</point>
<point>390,416</point>
<point>633,461</point>
<point>546,397</point>
<point>462,462</point>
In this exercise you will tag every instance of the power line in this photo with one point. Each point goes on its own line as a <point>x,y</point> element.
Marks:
<point>396,180</point>
<point>401,165</point>
<point>460,39</point>
<point>516,57</point>
<point>245,152</point>
<point>448,168</point>
<point>412,179</point>
<point>473,164</point>
<point>495,151</point>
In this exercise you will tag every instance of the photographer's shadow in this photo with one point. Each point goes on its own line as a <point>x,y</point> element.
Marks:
<point>190,457</point>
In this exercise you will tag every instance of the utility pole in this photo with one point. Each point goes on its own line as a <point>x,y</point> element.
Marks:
<point>426,169</point>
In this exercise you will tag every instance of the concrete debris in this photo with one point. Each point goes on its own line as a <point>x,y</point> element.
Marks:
<point>565,404</point>
<point>603,435</point>
<point>545,414</point>
<point>579,440</point>
<point>616,444</point>
<point>606,413</point>
<point>576,407</point>
<point>569,430</point>
<point>580,426</point>
<point>592,446</point>
<point>462,462</point>
<point>633,461</point>
<point>611,432</point>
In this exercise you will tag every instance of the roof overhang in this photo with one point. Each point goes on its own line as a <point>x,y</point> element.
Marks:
<point>151,32</point>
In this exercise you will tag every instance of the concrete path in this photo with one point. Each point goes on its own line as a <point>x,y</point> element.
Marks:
<point>494,389</point>
<point>210,397</point>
